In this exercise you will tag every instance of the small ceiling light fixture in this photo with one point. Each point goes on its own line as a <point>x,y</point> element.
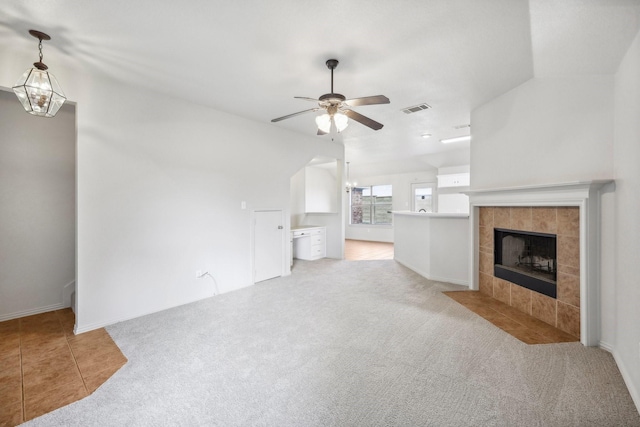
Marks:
<point>456,139</point>
<point>37,89</point>
<point>350,185</point>
<point>426,135</point>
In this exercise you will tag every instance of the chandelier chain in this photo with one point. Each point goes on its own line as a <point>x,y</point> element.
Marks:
<point>40,48</point>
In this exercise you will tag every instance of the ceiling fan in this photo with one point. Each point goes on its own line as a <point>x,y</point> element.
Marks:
<point>338,108</point>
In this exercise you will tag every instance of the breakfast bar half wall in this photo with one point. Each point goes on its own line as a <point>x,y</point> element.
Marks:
<point>434,245</point>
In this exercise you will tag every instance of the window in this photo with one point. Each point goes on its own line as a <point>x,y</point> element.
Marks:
<point>371,205</point>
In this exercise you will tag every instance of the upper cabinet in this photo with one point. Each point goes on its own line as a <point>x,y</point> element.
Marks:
<point>454,180</point>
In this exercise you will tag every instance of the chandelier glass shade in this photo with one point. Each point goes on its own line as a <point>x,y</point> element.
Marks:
<point>341,121</point>
<point>38,90</point>
<point>324,123</point>
<point>39,93</point>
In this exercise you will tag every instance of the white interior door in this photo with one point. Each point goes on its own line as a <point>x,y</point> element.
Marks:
<point>268,248</point>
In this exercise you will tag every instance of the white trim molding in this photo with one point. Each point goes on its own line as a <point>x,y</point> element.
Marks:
<point>584,194</point>
<point>32,311</point>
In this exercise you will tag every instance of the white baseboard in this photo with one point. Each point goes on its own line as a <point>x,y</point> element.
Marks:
<point>448,280</point>
<point>98,325</point>
<point>434,278</point>
<point>606,346</point>
<point>31,312</point>
<point>633,390</point>
<point>67,291</point>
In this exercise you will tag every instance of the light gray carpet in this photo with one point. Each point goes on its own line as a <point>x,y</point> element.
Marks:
<point>345,343</point>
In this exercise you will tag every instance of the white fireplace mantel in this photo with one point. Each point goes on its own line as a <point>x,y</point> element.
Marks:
<point>584,194</point>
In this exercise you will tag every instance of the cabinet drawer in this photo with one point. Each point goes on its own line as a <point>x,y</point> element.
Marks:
<point>317,232</point>
<point>317,240</point>
<point>317,251</point>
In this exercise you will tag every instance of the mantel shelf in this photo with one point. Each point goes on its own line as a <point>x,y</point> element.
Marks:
<point>575,185</point>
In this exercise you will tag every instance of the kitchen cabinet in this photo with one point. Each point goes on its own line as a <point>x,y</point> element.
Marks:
<point>454,180</point>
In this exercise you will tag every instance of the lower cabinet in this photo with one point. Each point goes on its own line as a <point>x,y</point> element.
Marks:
<point>309,243</point>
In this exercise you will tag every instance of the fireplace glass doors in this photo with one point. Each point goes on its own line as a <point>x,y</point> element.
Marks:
<point>527,259</point>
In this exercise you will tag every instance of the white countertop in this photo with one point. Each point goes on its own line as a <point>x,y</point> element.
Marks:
<point>432,214</point>
<point>306,227</point>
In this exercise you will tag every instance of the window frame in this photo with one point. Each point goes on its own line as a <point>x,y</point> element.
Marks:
<point>434,194</point>
<point>371,206</point>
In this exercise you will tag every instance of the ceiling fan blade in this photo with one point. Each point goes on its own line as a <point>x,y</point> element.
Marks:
<point>367,100</point>
<point>294,114</point>
<point>363,119</point>
<point>321,132</point>
<point>306,99</point>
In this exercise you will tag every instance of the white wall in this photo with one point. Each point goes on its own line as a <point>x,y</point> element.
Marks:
<point>297,205</point>
<point>160,194</point>
<point>320,190</point>
<point>37,209</point>
<point>551,130</point>
<point>401,202</point>
<point>627,226</point>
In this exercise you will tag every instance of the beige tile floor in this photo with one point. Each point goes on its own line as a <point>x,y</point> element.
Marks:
<point>526,328</point>
<point>359,250</point>
<point>44,366</point>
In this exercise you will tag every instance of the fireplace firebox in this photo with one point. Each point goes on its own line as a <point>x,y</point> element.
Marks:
<point>527,259</point>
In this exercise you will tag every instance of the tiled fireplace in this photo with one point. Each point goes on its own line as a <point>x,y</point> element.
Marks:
<point>560,309</point>
<point>561,286</point>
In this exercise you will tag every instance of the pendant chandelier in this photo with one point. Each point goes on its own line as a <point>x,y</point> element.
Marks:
<point>37,89</point>
<point>349,185</point>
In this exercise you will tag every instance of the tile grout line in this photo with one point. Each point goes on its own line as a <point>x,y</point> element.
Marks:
<point>541,333</point>
<point>75,361</point>
<point>24,409</point>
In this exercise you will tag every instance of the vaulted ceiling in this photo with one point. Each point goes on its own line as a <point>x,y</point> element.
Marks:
<point>251,58</point>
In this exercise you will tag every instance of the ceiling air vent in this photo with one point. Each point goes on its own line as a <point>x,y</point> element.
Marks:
<point>416,108</point>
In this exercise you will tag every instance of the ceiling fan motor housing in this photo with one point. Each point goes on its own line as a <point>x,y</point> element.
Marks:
<point>331,101</point>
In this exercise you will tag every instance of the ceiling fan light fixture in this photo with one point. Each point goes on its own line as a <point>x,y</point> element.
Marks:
<point>38,90</point>
<point>341,121</point>
<point>324,123</point>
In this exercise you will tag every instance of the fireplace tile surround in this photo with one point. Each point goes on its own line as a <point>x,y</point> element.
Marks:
<point>571,211</point>
<point>563,312</point>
